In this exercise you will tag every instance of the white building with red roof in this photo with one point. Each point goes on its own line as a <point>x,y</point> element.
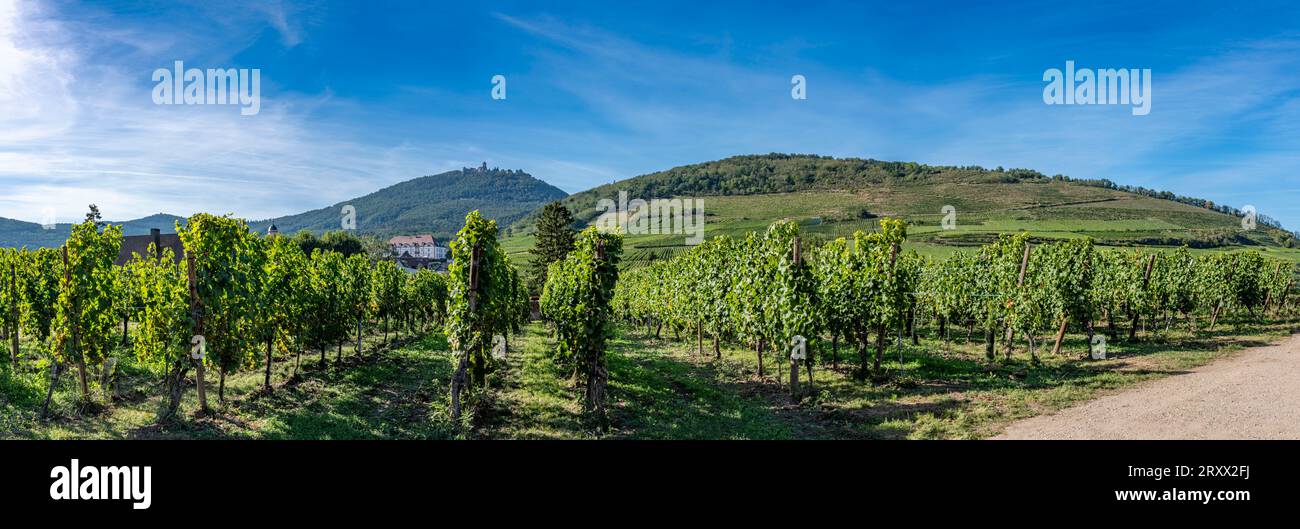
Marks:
<point>422,246</point>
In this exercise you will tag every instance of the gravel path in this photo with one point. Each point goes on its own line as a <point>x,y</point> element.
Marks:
<point>1253,395</point>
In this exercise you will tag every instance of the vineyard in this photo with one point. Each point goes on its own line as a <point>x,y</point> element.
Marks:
<point>772,335</point>
<point>868,294</point>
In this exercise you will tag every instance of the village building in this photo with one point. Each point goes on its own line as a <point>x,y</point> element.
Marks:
<point>418,246</point>
<point>133,245</point>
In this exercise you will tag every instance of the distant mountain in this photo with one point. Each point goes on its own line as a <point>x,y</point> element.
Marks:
<point>434,204</point>
<point>141,226</point>
<point>16,233</point>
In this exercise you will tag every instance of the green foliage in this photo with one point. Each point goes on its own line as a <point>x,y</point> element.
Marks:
<point>327,315</point>
<point>84,316</point>
<point>788,305</point>
<point>554,240</point>
<point>40,272</point>
<point>280,311</point>
<point>358,275</point>
<point>576,299</point>
<point>868,286</point>
<point>387,282</point>
<point>1174,282</point>
<point>428,295</point>
<point>949,289</point>
<point>10,297</point>
<point>126,302</point>
<point>475,315</point>
<point>161,337</point>
<point>227,267</point>
<point>340,241</point>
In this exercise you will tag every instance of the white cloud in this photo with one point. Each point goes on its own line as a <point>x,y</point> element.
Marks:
<point>35,96</point>
<point>692,107</point>
<point>73,132</point>
<point>277,14</point>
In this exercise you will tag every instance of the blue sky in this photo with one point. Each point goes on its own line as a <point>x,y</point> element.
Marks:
<point>359,95</point>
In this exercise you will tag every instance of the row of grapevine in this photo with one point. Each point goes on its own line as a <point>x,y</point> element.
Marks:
<point>577,299</point>
<point>486,299</point>
<point>759,290</point>
<point>232,301</point>
<point>867,290</point>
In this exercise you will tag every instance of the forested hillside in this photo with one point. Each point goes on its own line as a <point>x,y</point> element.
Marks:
<point>430,204</point>
<point>16,233</point>
<point>830,197</point>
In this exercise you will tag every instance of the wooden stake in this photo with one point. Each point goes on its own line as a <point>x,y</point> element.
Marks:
<point>196,309</point>
<point>461,376</point>
<point>794,362</point>
<point>1060,335</point>
<point>1020,282</point>
<point>13,312</point>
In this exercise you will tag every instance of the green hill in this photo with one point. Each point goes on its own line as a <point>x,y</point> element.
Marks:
<point>16,233</point>
<point>434,204</point>
<point>835,196</point>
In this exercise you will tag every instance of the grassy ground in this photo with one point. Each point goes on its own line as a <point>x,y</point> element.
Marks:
<point>384,393</point>
<point>659,389</point>
<point>654,394</point>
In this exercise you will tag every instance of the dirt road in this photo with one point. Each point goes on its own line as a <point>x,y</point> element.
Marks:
<point>1253,395</point>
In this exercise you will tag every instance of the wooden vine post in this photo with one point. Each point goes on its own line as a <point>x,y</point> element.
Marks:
<point>1281,302</point>
<point>1020,282</point>
<point>196,311</point>
<point>13,313</point>
<point>1268,296</point>
<point>1060,334</point>
<point>75,320</point>
<point>459,379</point>
<point>880,327</point>
<point>1087,320</point>
<point>597,373</point>
<point>794,360</point>
<point>1135,316</point>
<point>54,367</point>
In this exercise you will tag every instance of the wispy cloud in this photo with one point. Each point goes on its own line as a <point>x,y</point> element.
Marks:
<point>691,107</point>
<point>589,103</point>
<point>74,132</point>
